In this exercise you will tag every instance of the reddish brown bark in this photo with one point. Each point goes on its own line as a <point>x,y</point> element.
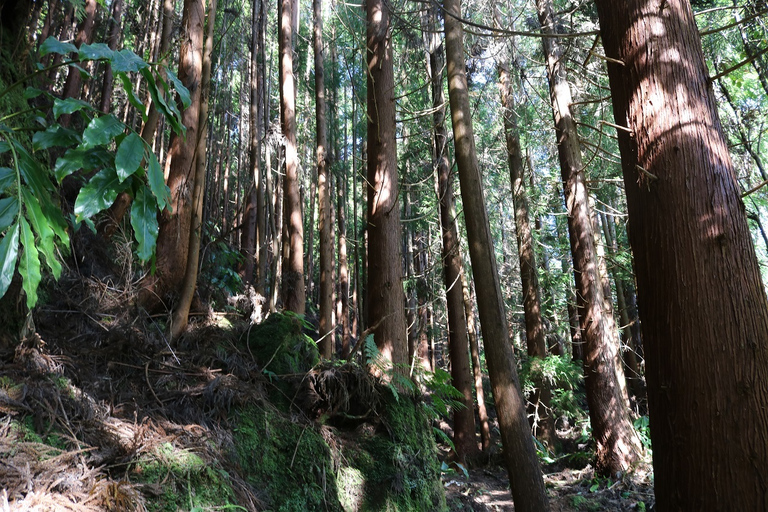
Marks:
<point>386,298</point>
<point>702,304</point>
<point>74,82</point>
<point>617,443</point>
<point>292,291</point>
<point>525,478</point>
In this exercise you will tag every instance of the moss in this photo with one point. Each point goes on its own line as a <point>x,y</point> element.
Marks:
<point>399,466</point>
<point>281,347</point>
<point>187,481</point>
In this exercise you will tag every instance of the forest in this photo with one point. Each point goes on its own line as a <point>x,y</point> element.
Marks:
<point>396,255</point>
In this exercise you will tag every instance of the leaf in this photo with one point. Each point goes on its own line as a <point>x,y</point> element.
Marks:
<point>53,45</point>
<point>144,222</point>
<point>129,155</point>
<point>137,104</point>
<point>9,250</point>
<point>101,130</point>
<point>9,210</point>
<point>33,173</point>
<point>7,178</point>
<point>29,264</point>
<point>68,106</point>
<point>98,194</point>
<point>96,51</point>
<point>157,183</point>
<point>168,110</point>
<point>4,147</point>
<point>55,135</point>
<point>42,226</point>
<point>180,89</point>
<point>125,61</point>
<point>32,92</point>
<point>79,158</point>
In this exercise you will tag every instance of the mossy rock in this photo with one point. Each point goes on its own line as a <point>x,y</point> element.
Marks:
<point>281,347</point>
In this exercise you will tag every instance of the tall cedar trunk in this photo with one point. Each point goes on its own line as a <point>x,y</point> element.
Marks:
<point>181,313</point>
<point>701,300</point>
<point>326,344</point>
<point>173,237</point>
<point>254,251</point>
<point>523,468</point>
<point>458,337</point>
<point>292,292</point>
<point>386,299</point>
<point>343,294</point>
<point>540,401</point>
<point>114,39</point>
<point>617,444</point>
<point>74,82</point>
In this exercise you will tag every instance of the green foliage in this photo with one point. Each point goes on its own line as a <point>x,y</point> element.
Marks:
<point>564,377</point>
<point>642,426</point>
<point>31,224</point>
<point>187,481</point>
<point>220,267</point>
<point>280,345</point>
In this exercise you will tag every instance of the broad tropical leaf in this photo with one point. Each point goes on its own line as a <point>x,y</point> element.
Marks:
<point>9,250</point>
<point>157,183</point>
<point>132,99</point>
<point>9,210</point>
<point>42,226</point>
<point>125,61</point>
<point>183,91</point>
<point>98,194</point>
<point>69,106</point>
<point>7,178</point>
<point>81,158</point>
<point>144,222</point>
<point>53,45</point>
<point>129,155</point>
<point>102,129</point>
<point>96,51</point>
<point>55,135</point>
<point>29,264</point>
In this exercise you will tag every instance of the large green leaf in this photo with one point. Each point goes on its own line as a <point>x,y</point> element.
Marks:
<point>9,209</point>
<point>42,226</point>
<point>96,51</point>
<point>144,222</point>
<point>33,173</point>
<point>101,130</point>
<point>98,194</point>
<point>9,250</point>
<point>68,106</point>
<point>4,147</point>
<point>132,99</point>
<point>183,91</point>
<point>55,135</point>
<point>29,264</point>
<point>53,45</point>
<point>129,155</point>
<point>157,182</point>
<point>85,158</point>
<point>125,61</point>
<point>7,178</point>
<point>170,111</point>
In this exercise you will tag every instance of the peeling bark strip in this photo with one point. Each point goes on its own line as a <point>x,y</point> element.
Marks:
<point>703,308</point>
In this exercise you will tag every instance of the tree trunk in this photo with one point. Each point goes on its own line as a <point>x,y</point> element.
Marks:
<point>386,299</point>
<point>522,464</point>
<point>703,307</point>
<point>617,443</point>
<point>293,291</point>
<point>326,343</point>
<point>181,313</point>
<point>73,84</point>
<point>174,230</point>
<point>114,39</point>
<point>539,405</point>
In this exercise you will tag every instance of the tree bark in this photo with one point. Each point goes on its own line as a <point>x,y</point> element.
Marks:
<point>115,23</point>
<point>293,290</point>
<point>73,84</point>
<point>181,313</point>
<point>326,343</point>
<point>386,299</point>
<point>174,229</point>
<point>617,443</point>
<point>523,468</point>
<point>702,304</point>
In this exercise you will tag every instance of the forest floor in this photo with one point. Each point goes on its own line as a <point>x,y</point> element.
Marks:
<point>93,397</point>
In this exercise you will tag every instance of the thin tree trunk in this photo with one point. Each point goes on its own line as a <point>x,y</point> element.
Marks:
<point>181,313</point>
<point>114,38</point>
<point>293,290</point>
<point>617,443</point>
<point>525,478</point>
<point>73,84</point>
<point>539,406</point>
<point>386,298</point>
<point>703,307</point>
